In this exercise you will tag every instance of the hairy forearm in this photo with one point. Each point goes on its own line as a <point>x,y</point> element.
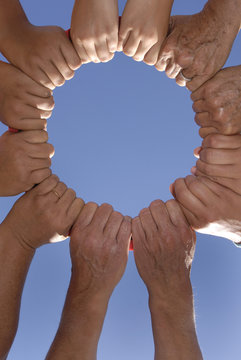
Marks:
<point>14,263</point>
<point>174,331</point>
<point>80,326</point>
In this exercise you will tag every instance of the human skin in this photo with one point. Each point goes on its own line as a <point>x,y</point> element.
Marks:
<point>219,158</point>
<point>25,160</point>
<point>144,26</point>
<point>200,44</point>
<point>31,223</point>
<point>209,207</point>
<point>24,104</point>
<point>94,29</point>
<point>164,246</point>
<point>44,53</point>
<point>99,248</point>
<point>217,103</point>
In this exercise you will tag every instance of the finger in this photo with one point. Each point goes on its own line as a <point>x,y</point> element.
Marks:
<point>197,152</point>
<point>148,223</point>
<point>203,132</point>
<point>219,156</point>
<point>159,213</point>
<point>30,112</point>
<point>43,79</point>
<point>57,192</point>
<point>200,106</point>
<point>112,42</point>
<point>180,80</point>
<point>142,50</point>
<point>35,89</point>
<point>102,216</point>
<point>198,94</point>
<point>203,119</point>
<point>123,37</point>
<point>214,187</point>
<point>200,191</point>
<point>124,234</point>
<point>74,210</point>
<point>151,56</point>
<point>67,199</point>
<point>213,170</point>
<point>172,70</point>
<point>112,227</point>
<point>36,164</point>
<point>131,46</point>
<point>35,136</point>
<point>86,216</point>
<point>138,233</point>
<point>219,141</point>
<point>91,51</point>
<point>176,214</point>
<point>39,151</point>
<point>162,63</point>
<point>41,103</point>
<point>62,66</point>
<point>103,52</point>
<point>54,75</point>
<point>186,198</point>
<point>47,185</point>
<point>37,176</point>
<point>30,124</point>
<point>82,53</point>
<point>70,55</point>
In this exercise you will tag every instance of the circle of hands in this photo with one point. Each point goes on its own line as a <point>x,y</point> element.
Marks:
<point>190,49</point>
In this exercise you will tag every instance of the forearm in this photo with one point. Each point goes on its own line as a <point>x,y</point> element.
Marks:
<point>80,326</point>
<point>14,262</point>
<point>230,10</point>
<point>174,331</point>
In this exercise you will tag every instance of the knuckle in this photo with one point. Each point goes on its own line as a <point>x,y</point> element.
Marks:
<point>227,128</point>
<point>211,140</point>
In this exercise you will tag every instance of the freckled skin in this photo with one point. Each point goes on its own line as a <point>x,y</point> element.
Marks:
<point>200,44</point>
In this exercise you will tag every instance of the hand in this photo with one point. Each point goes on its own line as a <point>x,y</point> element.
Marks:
<point>143,28</point>
<point>220,160</point>
<point>99,248</point>
<point>199,44</point>
<point>24,160</point>
<point>24,104</point>
<point>42,52</point>
<point>217,103</point>
<point>164,247</point>
<point>94,29</point>
<point>209,207</point>
<point>44,214</point>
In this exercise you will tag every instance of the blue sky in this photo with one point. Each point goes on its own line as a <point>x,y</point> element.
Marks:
<point>122,133</point>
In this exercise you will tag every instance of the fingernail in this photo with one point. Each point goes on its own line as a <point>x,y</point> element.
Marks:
<point>194,170</point>
<point>197,151</point>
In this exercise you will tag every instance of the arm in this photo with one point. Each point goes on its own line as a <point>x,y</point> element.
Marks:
<point>31,223</point>
<point>164,247</point>
<point>14,261</point>
<point>99,251</point>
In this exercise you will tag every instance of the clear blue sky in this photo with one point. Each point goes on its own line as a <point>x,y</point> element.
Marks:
<point>122,133</point>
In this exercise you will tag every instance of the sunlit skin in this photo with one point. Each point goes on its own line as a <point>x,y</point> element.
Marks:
<point>199,44</point>
<point>217,103</point>
<point>94,29</point>
<point>144,26</point>
<point>24,104</point>
<point>219,158</point>
<point>37,218</point>
<point>44,53</point>
<point>25,160</point>
<point>164,246</point>
<point>209,207</point>
<point>99,252</point>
